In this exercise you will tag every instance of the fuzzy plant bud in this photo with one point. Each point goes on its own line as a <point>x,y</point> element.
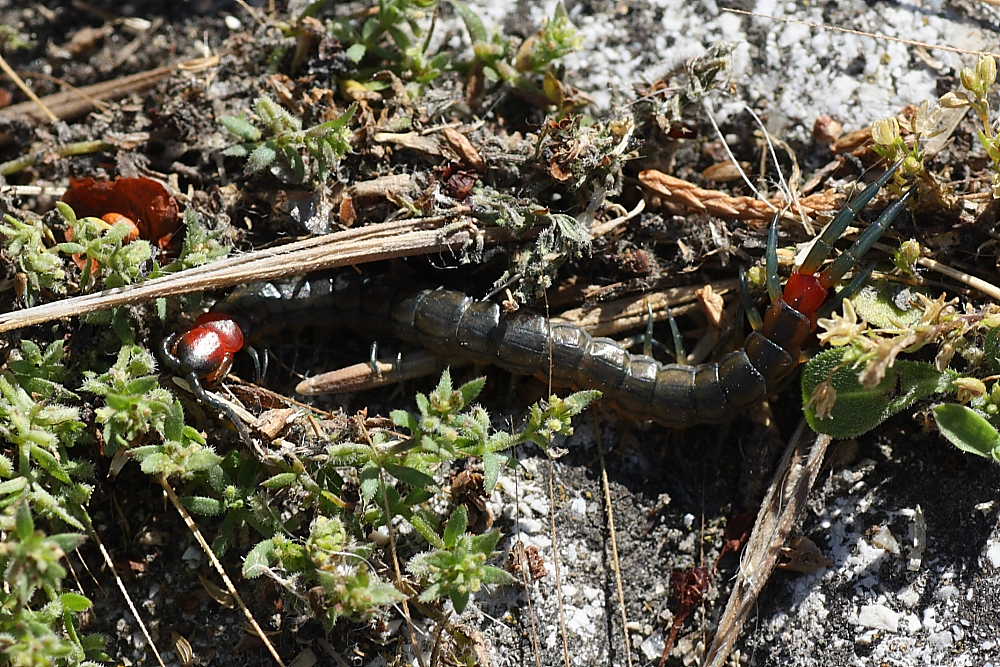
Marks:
<point>969,79</point>
<point>969,388</point>
<point>907,256</point>
<point>885,132</point>
<point>986,71</point>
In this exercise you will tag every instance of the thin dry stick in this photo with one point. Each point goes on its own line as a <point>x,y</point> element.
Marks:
<point>969,280</point>
<point>615,560</point>
<point>368,244</point>
<point>27,91</point>
<point>556,562</point>
<point>71,103</point>
<point>862,33</point>
<point>121,586</point>
<point>193,527</point>
<point>786,496</point>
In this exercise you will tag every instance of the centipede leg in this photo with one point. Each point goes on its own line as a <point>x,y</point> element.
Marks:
<point>680,354</point>
<point>823,245</point>
<point>211,399</point>
<point>849,258</point>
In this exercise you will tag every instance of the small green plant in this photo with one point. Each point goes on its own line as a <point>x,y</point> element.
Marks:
<point>46,634</point>
<point>392,38</point>
<point>41,266</point>
<point>457,568</point>
<point>104,250</point>
<point>136,407</point>
<point>977,83</point>
<point>274,139</point>
<point>335,568</point>
<point>493,58</point>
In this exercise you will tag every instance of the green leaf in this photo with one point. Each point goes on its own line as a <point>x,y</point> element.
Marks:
<point>356,52</point>
<point>24,525</point>
<point>887,304</point>
<point>474,24</point>
<point>260,558</point>
<point>457,523</point>
<point>494,575</point>
<point>411,476</point>
<point>369,482</point>
<point>426,531</point>
<point>579,401</point>
<point>493,464</point>
<point>460,600</point>
<point>68,542</point>
<point>471,390</point>
<point>203,505</point>
<point>260,158</point>
<point>859,409</point>
<point>241,127</point>
<point>49,463</point>
<point>350,453</point>
<point>967,429</point>
<point>280,481</point>
<point>75,602</point>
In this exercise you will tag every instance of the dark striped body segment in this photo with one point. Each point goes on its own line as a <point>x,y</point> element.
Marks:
<point>455,326</point>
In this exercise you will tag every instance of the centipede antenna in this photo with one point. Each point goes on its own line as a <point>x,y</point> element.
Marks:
<point>753,315</point>
<point>679,353</point>
<point>824,242</point>
<point>771,261</point>
<point>259,368</point>
<point>850,257</point>
<point>211,399</point>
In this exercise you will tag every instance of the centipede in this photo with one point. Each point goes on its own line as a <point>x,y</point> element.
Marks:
<point>456,326</point>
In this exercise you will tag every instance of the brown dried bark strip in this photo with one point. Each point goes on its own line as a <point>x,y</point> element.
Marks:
<point>682,196</point>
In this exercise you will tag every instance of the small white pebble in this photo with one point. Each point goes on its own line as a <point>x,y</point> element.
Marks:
<point>232,22</point>
<point>878,616</point>
<point>993,553</point>
<point>578,506</point>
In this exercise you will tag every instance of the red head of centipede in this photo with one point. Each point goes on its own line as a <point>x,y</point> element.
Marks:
<point>209,346</point>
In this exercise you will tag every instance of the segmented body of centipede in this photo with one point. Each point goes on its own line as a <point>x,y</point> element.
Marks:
<point>455,326</point>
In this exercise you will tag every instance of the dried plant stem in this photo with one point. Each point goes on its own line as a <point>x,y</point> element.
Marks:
<point>72,103</point>
<point>613,537</point>
<point>66,150</point>
<point>785,498</point>
<point>193,527</point>
<point>557,562</point>
<point>39,104</point>
<point>403,238</point>
<point>121,586</point>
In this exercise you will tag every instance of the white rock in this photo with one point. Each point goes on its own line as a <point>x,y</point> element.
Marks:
<point>878,616</point>
<point>993,553</point>
<point>908,597</point>
<point>232,22</point>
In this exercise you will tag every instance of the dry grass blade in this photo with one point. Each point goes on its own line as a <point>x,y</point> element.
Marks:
<point>193,527</point>
<point>357,246</point>
<point>616,563</point>
<point>37,104</point>
<point>786,496</point>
